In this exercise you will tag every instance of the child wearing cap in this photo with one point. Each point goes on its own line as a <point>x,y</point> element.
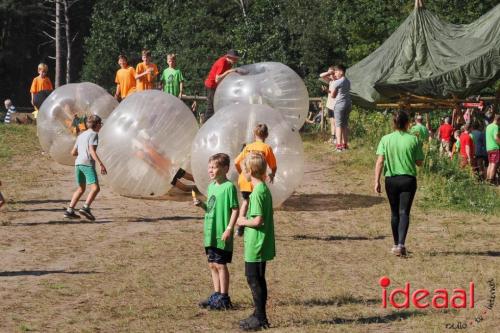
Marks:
<point>220,69</point>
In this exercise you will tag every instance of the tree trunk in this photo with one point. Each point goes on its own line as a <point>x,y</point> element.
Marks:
<point>68,41</point>
<point>58,69</point>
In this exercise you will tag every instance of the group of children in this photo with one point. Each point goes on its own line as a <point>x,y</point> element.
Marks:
<point>475,145</point>
<point>129,80</point>
<point>223,214</point>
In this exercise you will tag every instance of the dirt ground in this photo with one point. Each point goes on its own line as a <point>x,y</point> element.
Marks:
<point>141,266</point>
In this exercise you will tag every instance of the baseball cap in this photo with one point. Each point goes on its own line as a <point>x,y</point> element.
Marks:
<point>233,53</point>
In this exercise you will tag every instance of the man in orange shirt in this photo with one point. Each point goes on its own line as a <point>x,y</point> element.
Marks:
<point>261,133</point>
<point>125,79</point>
<point>146,72</point>
<point>40,87</point>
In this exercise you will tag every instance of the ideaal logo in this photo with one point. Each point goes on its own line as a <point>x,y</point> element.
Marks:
<point>460,298</point>
<point>440,299</point>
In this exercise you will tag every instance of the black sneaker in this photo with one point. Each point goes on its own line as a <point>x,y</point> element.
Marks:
<point>71,215</point>
<point>85,211</point>
<point>253,323</point>
<point>206,303</point>
<point>221,303</point>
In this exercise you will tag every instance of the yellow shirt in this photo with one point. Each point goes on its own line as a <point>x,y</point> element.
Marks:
<point>257,146</point>
<point>147,81</point>
<point>125,77</point>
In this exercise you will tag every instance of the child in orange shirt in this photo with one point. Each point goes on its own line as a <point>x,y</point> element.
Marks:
<point>124,79</point>
<point>261,133</point>
<point>40,87</point>
<point>146,72</point>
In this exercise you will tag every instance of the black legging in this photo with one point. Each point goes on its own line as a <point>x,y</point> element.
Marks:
<point>256,278</point>
<point>400,191</point>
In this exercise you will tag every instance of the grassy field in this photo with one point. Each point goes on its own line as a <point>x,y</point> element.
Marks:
<point>141,266</point>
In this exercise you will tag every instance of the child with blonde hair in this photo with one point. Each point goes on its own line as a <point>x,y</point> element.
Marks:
<point>259,239</point>
<point>261,133</point>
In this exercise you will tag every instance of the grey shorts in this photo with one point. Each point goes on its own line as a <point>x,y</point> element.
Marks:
<point>341,113</point>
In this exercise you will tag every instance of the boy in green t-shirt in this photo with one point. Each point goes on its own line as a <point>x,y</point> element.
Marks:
<point>259,239</point>
<point>220,218</point>
<point>172,79</point>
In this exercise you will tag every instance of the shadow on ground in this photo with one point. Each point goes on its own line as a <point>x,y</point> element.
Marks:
<point>335,238</point>
<point>394,316</point>
<point>37,202</point>
<point>466,253</point>
<point>333,301</point>
<point>40,273</point>
<point>382,319</point>
<point>29,224</point>
<point>166,218</point>
<point>330,201</point>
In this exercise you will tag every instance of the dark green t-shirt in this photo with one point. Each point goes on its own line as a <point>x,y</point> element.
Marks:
<point>259,242</point>
<point>491,136</point>
<point>421,132</point>
<point>400,150</point>
<point>171,79</point>
<point>222,198</point>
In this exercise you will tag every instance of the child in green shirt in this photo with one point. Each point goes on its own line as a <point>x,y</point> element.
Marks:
<point>220,218</point>
<point>259,239</point>
<point>172,79</point>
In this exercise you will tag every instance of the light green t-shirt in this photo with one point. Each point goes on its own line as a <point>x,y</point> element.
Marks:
<point>171,79</point>
<point>222,198</point>
<point>400,150</point>
<point>491,135</point>
<point>421,132</point>
<point>259,242</point>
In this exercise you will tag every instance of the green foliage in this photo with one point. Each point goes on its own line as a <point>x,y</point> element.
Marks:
<point>448,185</point>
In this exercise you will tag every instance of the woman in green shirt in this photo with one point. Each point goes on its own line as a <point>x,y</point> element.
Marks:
<point>398,155</point>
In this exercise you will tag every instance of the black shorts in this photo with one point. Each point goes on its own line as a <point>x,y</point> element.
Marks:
<point>218,256</point>
<point>330,113</point>
<point>246,195</point>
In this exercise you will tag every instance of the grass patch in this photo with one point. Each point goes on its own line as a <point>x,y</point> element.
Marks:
<point>17,140</point>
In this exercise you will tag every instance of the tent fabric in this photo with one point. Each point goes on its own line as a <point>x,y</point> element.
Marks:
<point>429,57</point>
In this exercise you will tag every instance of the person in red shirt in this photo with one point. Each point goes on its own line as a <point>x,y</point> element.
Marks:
<point>466,148</point>
<point>445,132</point>
<point>220,69</point>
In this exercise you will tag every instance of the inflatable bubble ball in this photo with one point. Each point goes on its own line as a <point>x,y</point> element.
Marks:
<point>145,142</point>
<point>63,114</point>
<point>270,83</point>
<point>231,128</point>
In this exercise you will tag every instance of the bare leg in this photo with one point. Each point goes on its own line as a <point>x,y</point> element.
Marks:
<point>215,276</point>
<point>94,189</point>
<point>244,208</point>
<point>344,136</point>
<point>223,278</point>
<point>2,200</point>
<point>76,196</point>
<point>340,138</point>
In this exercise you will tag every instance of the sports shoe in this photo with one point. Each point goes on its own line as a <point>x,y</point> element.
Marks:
<point>71,215</point>
<point>206,303</point>
<point>179,174</point>
<point>399,250</point>
<point>85,211</point>
<point>253,323</point>
<point>221,303</point>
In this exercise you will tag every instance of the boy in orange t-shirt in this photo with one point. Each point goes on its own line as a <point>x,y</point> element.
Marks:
<point>41,86</point>
<point>261,133</point>
<point>146,72</point>
<point>124,79</point>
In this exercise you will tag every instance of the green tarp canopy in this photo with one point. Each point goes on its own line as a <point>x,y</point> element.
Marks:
<point>429,57</point>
